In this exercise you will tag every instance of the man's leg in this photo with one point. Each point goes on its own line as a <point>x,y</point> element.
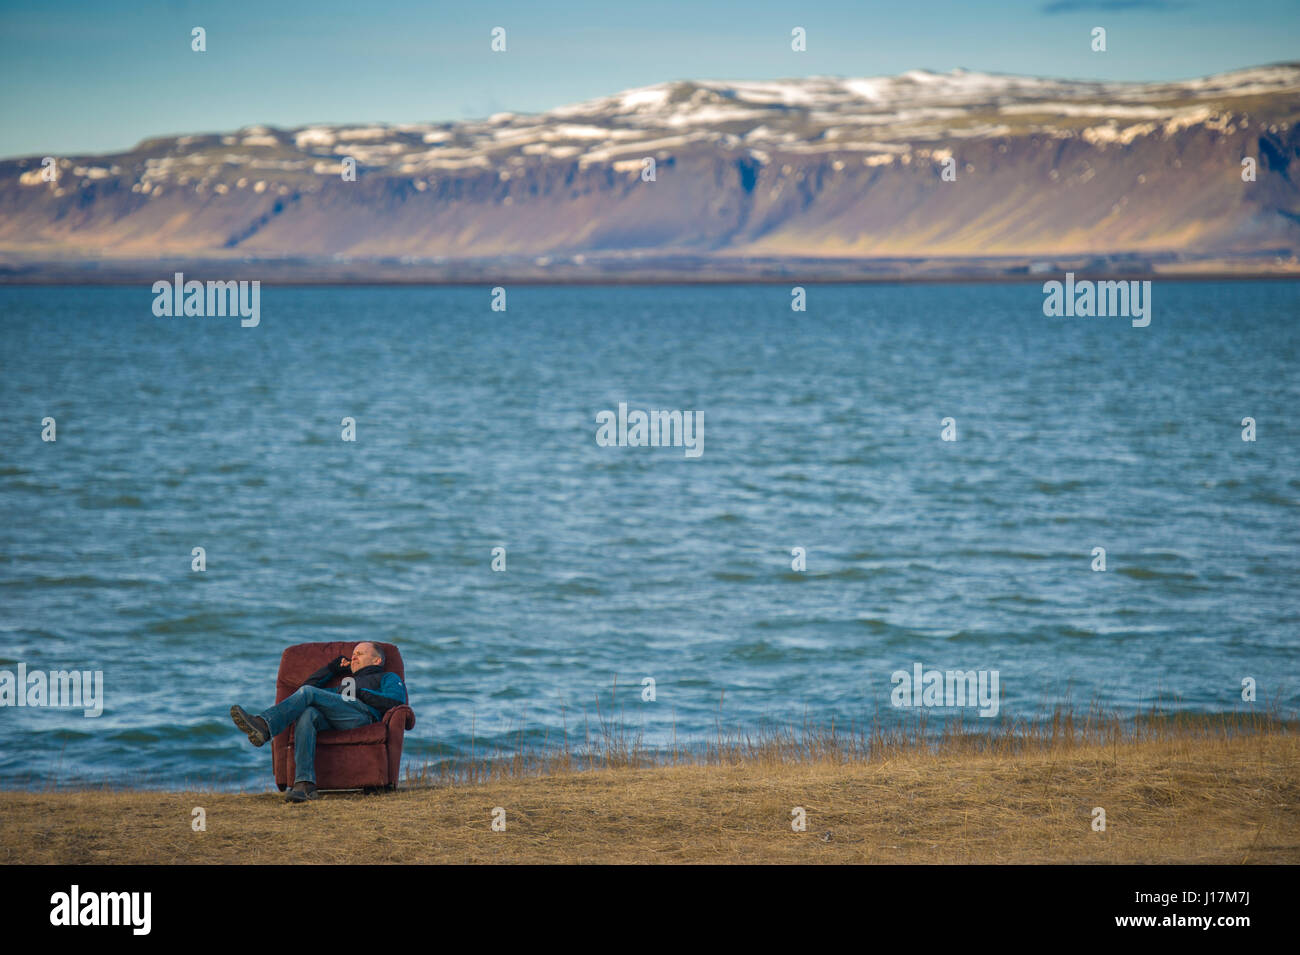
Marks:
<point>323,711</point>
<point>304,744</point>
<point>342,714</point>
<point>285,713</point>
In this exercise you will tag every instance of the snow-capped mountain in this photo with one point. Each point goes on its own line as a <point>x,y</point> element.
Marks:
<point>921,165</point>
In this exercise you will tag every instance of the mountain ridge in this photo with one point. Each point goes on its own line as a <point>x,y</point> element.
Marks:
<point>929,166</point>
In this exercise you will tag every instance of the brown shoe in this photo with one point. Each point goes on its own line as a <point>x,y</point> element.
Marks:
<point>257,729</point>
<point>301,792</point>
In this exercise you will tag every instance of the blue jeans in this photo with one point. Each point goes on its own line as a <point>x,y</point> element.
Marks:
<point>310,710</point>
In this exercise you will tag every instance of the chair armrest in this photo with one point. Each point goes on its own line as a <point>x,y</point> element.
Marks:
<point>403,713</point>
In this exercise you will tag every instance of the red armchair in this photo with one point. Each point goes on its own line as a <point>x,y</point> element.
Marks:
<point>363,758</point>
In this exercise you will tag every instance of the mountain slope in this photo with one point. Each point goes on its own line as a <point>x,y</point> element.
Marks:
<point>818,167</point>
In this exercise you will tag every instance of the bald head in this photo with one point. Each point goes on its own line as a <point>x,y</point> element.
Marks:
<point>366,655</point>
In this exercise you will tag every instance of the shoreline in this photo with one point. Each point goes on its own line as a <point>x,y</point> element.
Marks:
<point>17,269</point>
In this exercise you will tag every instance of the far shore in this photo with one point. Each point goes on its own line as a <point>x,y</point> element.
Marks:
<point>70,268</point>
<point>1183,798</point>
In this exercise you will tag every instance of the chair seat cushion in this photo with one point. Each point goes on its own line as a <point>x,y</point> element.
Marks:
<point>362,735</point>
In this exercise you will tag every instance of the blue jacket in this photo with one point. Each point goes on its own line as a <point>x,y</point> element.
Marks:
<point>377,691</point>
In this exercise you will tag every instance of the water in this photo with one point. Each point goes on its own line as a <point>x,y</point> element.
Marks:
<point>476,429</point>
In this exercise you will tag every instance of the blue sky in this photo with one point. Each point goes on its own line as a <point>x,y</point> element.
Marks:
<point>100,76</point>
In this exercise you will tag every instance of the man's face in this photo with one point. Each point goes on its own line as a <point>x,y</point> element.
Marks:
<point>364,655</point>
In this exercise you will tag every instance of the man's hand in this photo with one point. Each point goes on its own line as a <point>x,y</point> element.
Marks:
<point>342,663</point>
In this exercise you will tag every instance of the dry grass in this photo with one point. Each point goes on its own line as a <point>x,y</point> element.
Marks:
<point>1175,789</point>
<point>605,741</point>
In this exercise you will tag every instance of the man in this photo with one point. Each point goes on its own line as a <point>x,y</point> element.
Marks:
<point>314,707</point>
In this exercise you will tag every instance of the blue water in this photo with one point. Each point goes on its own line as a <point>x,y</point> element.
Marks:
<point>476,429</point>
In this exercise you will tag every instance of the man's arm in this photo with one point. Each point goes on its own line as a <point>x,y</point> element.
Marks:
<point>391,692</point>
<point>326,673</point>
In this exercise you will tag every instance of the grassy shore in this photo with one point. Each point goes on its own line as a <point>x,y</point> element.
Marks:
<point>1200,792</point>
